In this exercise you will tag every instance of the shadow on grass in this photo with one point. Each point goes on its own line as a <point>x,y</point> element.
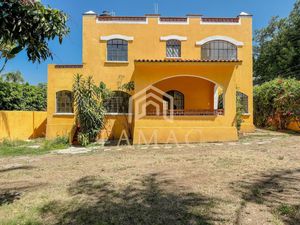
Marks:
<point>12,191</point>
<point>16,168</point>
<point>279,190</point>
<point>144,203</point>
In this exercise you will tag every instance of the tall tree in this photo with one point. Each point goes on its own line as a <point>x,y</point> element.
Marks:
<point>29,25</point>
<point>277,50</point>
<point>14,77</point>
<point>20,96</point>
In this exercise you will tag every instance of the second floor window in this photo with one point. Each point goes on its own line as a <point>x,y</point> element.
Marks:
<point>219,50</point>
<point>117,50</point>
<point>173,49</point>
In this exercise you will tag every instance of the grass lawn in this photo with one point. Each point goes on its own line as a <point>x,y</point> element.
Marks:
<point>253,181</point>
<point>32,147</point>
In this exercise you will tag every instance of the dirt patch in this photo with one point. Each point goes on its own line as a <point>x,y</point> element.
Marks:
<point>249,182</point>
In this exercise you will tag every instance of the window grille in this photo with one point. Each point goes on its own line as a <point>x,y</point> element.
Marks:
<point>117,50</point>
<point>219,50</point>
<point>64,102</point>
<point>173,49</point>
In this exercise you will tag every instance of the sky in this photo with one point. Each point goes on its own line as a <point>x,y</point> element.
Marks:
<point>69,52</point>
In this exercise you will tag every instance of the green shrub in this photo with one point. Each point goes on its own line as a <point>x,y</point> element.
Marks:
<point>277,103</point>
<point>239,112</point>
<point>88,101</point>
<point>61,142</point>
<point>83,139</point>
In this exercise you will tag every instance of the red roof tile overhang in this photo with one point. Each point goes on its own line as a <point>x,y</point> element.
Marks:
<point>187,61</point>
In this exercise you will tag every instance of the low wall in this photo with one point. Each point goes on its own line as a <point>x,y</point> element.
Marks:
<point>61,125</point>
<point>22,125</point>
<point>295,126</point>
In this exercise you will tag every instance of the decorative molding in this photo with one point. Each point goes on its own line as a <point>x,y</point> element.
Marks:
<point>173,37</point>
<point>68,66</point>
<point>221,38</point>
<point>245,14</point>
<point>89,13</point>
<point>116,36</point>
<point>174,22</point>
<point>123,21</point>
<point>220,21</point>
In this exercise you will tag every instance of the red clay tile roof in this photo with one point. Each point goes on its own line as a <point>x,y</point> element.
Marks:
<point>221,20</point>
<point>68,66</point>
<point>184,60</point>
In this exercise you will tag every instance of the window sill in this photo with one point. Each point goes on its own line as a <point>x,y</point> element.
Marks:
<point>117,62</point>
<point>118,114</point>
<point>246,114</point>
<point>173,57</point>
<point>63,114</point>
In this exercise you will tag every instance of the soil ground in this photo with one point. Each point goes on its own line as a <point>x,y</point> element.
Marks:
<point>253,181</point>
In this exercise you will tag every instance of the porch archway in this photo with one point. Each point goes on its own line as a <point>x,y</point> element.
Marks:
<point>196,95</point>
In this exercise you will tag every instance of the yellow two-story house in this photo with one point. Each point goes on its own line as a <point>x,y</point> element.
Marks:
<point>187,73</point>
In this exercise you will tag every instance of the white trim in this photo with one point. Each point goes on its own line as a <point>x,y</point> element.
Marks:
<point>173,37</point>
<point>246,114</point>
<point>174,23</point>
<point>220,23</point>
<point>117,114</point>
<point>118,62</point>
<point>173,57</point>
<point>89,13</point>
<point>122,22</point>
<point>216,97</point>
<point>116,36</point>
<point>244,14</point>
<point>64,114</point>
<point>216,38</point>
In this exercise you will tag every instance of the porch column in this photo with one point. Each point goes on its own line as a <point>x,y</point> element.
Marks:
<point>216,97</point>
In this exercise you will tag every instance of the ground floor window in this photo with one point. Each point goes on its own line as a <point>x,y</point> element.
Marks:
<point>64,102</point>
<point>178,100</point>
<point>117,103</point>
<point>244,101</point>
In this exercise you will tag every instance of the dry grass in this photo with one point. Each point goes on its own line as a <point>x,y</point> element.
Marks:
<point>255,181</point>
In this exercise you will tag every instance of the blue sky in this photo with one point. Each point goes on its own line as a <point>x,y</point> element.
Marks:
<point>70,51</point>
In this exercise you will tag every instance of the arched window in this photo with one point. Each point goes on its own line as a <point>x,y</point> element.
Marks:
<point>117,50</point>
<point>173,49</point>
<point>243,98</point>
<point>178,99</point>
<point>117,103</point>
<point>219,50</point>
<point>64,102</point>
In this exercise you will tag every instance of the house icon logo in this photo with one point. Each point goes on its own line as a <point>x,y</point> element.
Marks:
<point>161,103</point>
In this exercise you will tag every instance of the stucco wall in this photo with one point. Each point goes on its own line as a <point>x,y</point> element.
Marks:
<point>22,125</point>
<point>294,126</point>
<point>148,45</point>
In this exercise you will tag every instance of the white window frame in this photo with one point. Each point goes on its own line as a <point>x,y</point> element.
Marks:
<point>220,38</point>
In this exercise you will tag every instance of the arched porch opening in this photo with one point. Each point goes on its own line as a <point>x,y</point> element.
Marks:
<point>191,96</point>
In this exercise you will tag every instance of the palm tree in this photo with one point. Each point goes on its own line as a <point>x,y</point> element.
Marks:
<point>13,77</point>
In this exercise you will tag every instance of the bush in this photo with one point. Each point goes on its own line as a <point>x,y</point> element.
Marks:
<point>61,142</point>
<point>88,101</point>
<point>277,103</point>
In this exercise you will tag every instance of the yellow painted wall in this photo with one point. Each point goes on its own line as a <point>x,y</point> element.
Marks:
<point>295,126</point>
<point>22,125</point>
<point>198,93</point>
<point>147,45</point>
